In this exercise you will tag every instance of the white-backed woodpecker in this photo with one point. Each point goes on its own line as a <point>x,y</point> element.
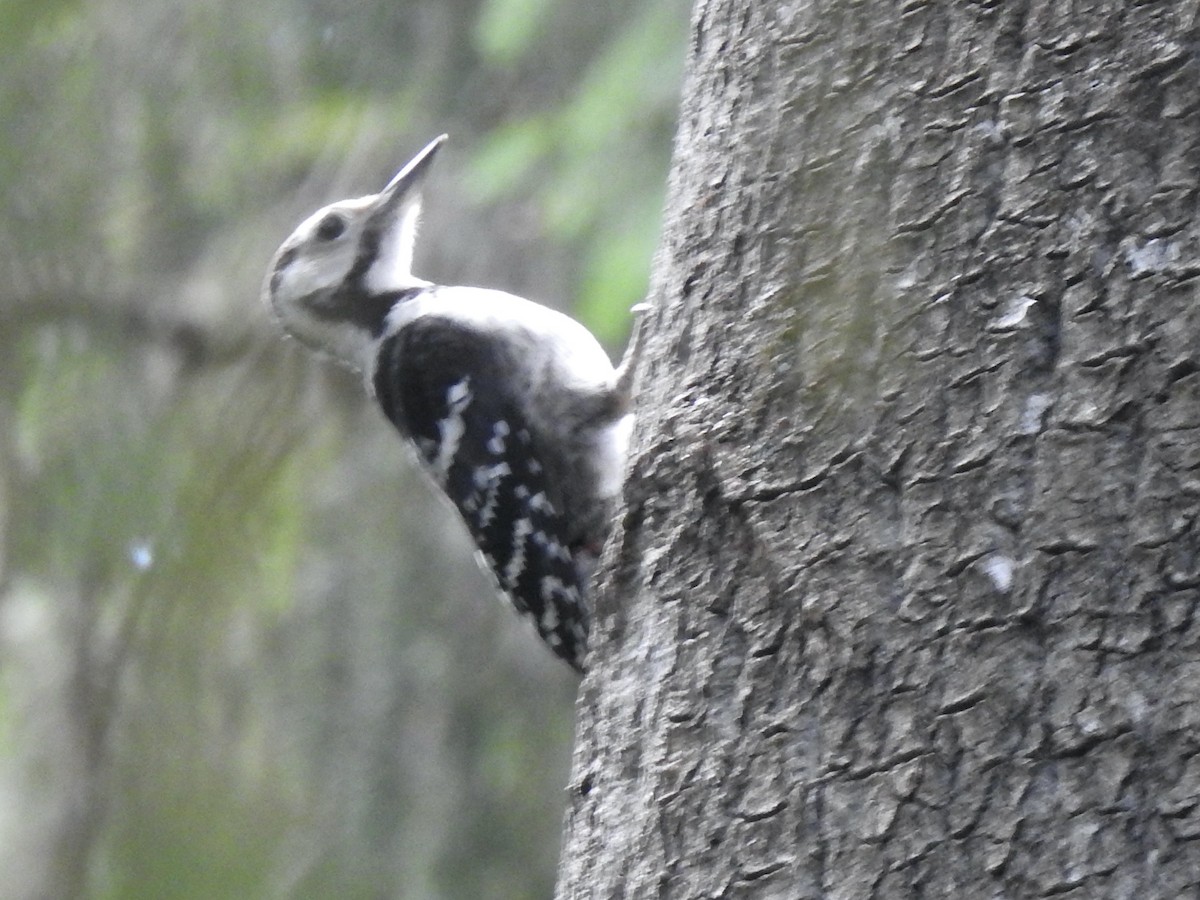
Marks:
<point>514,408</point>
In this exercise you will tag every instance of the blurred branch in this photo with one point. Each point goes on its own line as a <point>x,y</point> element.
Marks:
<point>133,315</point>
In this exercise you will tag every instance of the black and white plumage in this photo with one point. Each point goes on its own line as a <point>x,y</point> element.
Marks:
<point>515,409</point>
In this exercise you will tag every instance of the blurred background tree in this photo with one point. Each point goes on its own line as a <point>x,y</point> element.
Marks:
<point>244,651</point>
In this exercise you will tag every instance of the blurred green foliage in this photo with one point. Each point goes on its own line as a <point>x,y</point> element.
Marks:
<point>245,651</point>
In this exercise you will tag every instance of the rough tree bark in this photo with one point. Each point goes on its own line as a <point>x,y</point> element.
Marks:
<point>905,598</point>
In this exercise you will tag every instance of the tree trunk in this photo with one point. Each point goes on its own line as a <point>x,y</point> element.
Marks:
<point>904,601</point>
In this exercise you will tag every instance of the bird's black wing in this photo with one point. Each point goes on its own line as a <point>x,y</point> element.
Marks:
<point>443,384</point>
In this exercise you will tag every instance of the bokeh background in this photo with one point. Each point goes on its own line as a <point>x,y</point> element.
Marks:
<point>244,650</point>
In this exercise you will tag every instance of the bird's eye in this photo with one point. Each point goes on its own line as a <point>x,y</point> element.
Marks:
<point>331,227</point>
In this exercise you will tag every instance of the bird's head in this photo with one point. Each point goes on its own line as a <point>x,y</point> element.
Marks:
<point>333,281</point>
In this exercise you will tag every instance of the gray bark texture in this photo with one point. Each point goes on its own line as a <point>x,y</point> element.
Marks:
<point>904,598</point>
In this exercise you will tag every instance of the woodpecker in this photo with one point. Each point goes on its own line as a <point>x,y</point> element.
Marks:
<point>513,408</point>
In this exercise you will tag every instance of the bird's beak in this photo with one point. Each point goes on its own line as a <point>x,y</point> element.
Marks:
<point>405,186</point>
<point>386,241</point>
